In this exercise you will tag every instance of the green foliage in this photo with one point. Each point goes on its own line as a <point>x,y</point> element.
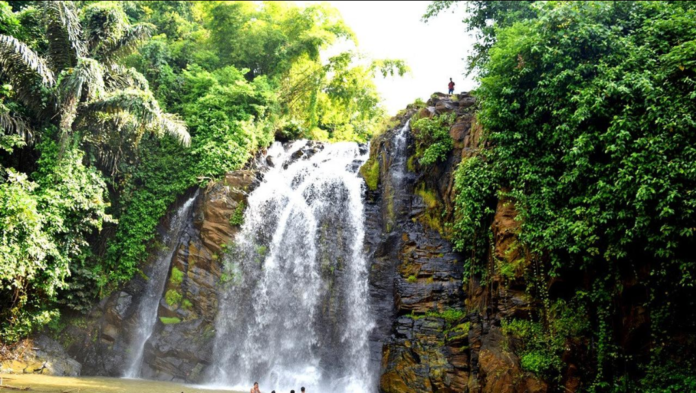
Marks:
<point>544,344</point>
<point>44,225</point>
<point>267,40</point>
<point>476,185</point>
<point>9,24</point>
<point>587,109</point>
<point>450,315</point>
<point>146,192</point>
<point>412,279</point>
<point>433,141</point>
<point>237,218</point>
<point>667,377</point>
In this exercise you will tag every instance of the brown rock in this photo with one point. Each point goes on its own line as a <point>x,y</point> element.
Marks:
<point>110,333</point>
<point>500,373</point>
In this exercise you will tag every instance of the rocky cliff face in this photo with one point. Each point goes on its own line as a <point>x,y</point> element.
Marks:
<point>437,332</point>
<point>181,343</point>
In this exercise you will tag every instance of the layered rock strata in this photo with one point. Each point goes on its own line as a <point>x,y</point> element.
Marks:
<point>444,334</point>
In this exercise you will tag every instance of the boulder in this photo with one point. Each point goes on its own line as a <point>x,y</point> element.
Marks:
<point>42,355</point>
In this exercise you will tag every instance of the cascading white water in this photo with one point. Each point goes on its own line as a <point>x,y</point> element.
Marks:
<point>294,308</point>
<point>147,309</point>
<point>399,165</point>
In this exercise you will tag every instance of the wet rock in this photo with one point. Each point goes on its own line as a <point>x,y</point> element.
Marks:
<point>445,336</point>
<point>122,303</point>
<point>418,356</point>
<point>42,355</point>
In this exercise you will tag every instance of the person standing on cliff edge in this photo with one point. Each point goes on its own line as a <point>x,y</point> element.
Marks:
<point>450,86</point>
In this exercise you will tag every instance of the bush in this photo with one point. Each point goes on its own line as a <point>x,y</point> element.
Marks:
<point>433,141</point>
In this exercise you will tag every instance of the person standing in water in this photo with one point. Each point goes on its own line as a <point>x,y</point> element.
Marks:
<point>255,389</point>
<point>450,86</point>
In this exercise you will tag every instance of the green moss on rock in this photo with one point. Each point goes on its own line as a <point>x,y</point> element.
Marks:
<point>370,172</point>
<point>237,218</point>
<point>411,163</point>
<point>177,277</point>
<point>173,297</point>
<point>434,210</point>
<point>170,320</point>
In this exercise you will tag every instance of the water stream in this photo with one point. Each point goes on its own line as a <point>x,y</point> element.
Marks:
<point>399,163</point>
<point>147,309</point>
<point>294,308</point>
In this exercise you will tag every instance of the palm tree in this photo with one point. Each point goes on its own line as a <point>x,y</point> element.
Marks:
<point>80,87</point>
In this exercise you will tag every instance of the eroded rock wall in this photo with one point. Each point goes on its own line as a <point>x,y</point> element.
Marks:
<point>445,333</point>
<point>180,347</point>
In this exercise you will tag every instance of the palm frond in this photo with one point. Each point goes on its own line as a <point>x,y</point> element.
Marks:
<point>85,81</point>
<point>64,33</point>
<point>121,139</point>
<point>13,123</point>
<point>144,107</point>
<point>120,77</point>
<point>25,70</point>
<point>105,24</point>
<point>175,127</point>
<point>130,41</point>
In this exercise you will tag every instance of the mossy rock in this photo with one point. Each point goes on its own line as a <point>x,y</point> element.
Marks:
<point>173,297</point>
<point>170,320</point>
<point>177,277</point>
<point>370,172</point>
<point>433,209</point>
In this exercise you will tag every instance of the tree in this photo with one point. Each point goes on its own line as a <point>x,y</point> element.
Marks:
<point>80,83</point>
<point>75,98</point>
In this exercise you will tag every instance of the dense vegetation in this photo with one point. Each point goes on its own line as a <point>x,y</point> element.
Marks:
<point>111,110</point>
<point>588,109</point>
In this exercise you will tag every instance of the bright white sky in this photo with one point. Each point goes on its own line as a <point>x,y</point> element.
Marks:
<point>435,51</point>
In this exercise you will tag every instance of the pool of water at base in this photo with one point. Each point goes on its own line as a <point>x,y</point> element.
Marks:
<point>50,384</point>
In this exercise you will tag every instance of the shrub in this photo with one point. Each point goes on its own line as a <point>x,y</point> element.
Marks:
<point>433,141</point>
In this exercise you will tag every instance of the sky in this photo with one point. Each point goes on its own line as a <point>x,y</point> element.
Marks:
<point>435,51</point>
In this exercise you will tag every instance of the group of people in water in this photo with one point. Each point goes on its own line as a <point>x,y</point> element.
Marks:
<point>255,389</point>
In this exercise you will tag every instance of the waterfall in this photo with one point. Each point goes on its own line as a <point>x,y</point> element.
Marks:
<point>294,300</point>
<point>146,315</point>
<point>399,165</point>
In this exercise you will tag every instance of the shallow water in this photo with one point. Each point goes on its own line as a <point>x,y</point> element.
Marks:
<point>49,384</point>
